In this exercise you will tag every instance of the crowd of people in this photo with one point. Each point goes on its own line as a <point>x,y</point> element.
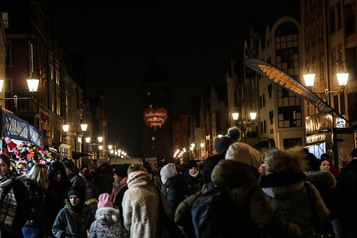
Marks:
<point>281,193</point>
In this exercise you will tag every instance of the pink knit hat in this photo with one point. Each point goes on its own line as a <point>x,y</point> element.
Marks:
<point>104,201</point>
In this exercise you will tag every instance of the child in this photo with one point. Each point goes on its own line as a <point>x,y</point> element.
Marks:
<point>75,218</point>
<point>108,222</point>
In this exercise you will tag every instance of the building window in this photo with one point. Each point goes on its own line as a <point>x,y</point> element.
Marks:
<point>5,19</point>
<point>271,117</point>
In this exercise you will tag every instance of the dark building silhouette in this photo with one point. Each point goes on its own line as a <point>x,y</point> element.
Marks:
<point>156,112</point>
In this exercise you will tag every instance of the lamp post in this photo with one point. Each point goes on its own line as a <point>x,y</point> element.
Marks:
<point>32,86</point>
<point>94,145</point>
<point>66,129</point>
<point>342,78</point>
<point>242,125</point>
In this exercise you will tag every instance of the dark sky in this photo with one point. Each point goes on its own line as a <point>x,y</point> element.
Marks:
<point>193,44</point>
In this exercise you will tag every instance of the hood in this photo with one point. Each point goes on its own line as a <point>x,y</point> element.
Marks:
<point>321,178</point>
<point>107,215</point>
<point>232,173</point>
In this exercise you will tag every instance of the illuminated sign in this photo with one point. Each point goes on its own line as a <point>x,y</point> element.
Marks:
<point>155,118</point>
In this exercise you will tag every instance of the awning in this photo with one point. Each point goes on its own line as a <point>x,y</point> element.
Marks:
<point>77,155</point>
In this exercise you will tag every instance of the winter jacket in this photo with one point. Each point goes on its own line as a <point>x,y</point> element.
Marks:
<point>183,217</point>
<point>73,223</point>
<point>297,200</point>
<point>140,207</point>
<point>255,215</point>
<point>107,224</point>
<point>194,183</point>
<point>174,190</point>
<point>38,217</point>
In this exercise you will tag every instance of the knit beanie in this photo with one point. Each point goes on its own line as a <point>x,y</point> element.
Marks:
<point>77,191</point>
<point>104,201</point>
<point>244,153</point>
<point>168,171</point>
<point>221,144</point>
<point>121,170</point>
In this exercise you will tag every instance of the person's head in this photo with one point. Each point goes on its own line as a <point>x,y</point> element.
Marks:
<point>192,167</point>
<point>168,171</point>
<point>244,154</point>
<point>136,167</point>
<point>121,171</point>
<point>104,201</point>
<point>277,160</point>
<point>325,164</point>
<point>76,196</point>
<point>233,133</point>
<point>324,156</point>
<point>354,153</point>
<point>38,173</point>
<point>68,165</point>
<point>56,171</point>
<point>5,164</point>
<point>221,144</point>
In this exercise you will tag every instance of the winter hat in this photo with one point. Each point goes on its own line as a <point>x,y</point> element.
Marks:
<point>168,171</point>
<point>135,174</point>
<point>221,144</point>
<point>244,153</point>
<point>192,163</point>
<point>104,201</point>
<point>105,210</point>
<point>121,171</point>
<point>77,191</point>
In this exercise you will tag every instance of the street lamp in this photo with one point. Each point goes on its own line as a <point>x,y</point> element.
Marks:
<point>94,144</point>
<point>66,127</point>
<point>342,78</point>
<point>243,124</point>
<point>32,86</point>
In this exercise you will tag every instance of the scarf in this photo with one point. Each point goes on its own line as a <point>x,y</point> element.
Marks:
<point>6,179</point>
<point>8,202</point>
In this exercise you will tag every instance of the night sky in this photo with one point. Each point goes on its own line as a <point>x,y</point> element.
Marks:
<point>193,44</point>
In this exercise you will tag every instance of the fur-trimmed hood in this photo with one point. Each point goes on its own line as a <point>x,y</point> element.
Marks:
<point>321,178</point>
<point>107,215</point>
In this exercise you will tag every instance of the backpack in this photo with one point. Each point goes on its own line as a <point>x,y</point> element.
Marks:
<point>213,215</point>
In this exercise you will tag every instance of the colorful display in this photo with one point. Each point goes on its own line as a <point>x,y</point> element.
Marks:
<point>155,118</point>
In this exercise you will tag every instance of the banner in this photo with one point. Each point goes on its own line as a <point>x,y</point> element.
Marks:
<point>17,128</point>
<point>278,76</point>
